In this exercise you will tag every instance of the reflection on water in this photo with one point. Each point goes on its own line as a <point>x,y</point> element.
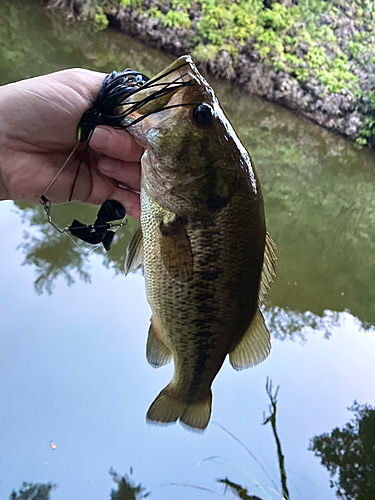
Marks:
<point>320,202</point>
<point>292,325</point>
<point>25,53</point>
<point>54,256</point>
<point>126,489</point>
<point>30,491</point>
<point>319,189</point>
<point>349,454</point>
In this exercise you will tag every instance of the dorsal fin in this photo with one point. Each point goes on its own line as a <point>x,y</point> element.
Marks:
<point>134,252</point>
<point>268,272</point>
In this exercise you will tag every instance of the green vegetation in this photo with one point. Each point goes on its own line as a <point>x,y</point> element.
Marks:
<point>312,41</point>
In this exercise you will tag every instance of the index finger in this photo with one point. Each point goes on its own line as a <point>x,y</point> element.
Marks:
<point>116,144</point>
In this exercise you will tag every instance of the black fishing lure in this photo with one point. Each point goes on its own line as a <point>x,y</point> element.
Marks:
<point>115,88</point>
<point>99,232</point>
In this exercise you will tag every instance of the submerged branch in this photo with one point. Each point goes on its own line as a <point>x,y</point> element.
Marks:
<point>272,418</point>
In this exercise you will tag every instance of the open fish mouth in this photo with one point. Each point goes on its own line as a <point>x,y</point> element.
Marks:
<point>162,92</point>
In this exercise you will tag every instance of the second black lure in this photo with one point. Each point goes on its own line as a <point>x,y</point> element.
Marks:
<point>99,231</point>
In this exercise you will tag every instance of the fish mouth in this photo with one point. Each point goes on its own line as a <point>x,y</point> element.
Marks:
<point>167,90</point>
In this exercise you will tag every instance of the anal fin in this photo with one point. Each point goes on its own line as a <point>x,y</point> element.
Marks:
<point>254,346</point>
<point>157,353</point>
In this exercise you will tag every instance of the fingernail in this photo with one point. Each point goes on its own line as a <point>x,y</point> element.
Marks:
<point>101,138</point>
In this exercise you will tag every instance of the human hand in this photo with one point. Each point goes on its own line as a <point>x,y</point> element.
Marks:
<point>38,131</point>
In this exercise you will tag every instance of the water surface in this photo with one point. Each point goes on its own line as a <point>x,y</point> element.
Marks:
<point>72,362</point>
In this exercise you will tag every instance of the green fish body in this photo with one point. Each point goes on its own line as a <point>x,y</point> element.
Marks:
<point>202,241</point>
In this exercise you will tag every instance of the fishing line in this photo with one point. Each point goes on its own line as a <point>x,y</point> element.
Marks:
<point>59,172</point>
<point>196,487</point>
<point>152,82</point>
<point>47,100</point>
<point>78,168</point>
<point>138,104</point>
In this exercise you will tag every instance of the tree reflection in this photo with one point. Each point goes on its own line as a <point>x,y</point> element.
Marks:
<point>57,45</point>
<point>126,488</point>
<point>286,324</point>
<point>30,491</point>
<point>349,454</point>
<point>54,255</point>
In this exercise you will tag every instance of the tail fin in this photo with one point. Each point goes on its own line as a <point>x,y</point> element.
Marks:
<point>166,408</point>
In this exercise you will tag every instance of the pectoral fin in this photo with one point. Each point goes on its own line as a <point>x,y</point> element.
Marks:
<point>176,250</point>
<point>157,352</point>
<point>134,252</point>
<point>254,346</point>
<point>268,272</point>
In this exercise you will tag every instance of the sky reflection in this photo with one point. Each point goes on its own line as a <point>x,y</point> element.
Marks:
<point>73,370</point>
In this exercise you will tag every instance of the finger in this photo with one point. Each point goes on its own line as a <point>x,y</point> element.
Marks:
<point>127,173</point>
<point>129,200</point>
<point>106,188</point>
<point>116,143</point>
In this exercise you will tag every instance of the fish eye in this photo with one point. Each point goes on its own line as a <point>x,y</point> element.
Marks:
<point>203,114</point>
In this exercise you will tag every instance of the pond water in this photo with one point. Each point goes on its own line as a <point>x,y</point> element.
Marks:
<point>73,369</point>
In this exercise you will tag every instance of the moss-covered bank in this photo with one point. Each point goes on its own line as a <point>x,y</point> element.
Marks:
<point>316,57</point>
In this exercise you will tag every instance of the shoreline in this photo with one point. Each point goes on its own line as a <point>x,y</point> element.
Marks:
<point>348,112</point>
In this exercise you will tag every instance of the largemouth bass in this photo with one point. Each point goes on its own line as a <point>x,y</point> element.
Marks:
<point>207,257</point>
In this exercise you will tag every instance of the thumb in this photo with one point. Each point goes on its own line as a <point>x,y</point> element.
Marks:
<point>116,143</point>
